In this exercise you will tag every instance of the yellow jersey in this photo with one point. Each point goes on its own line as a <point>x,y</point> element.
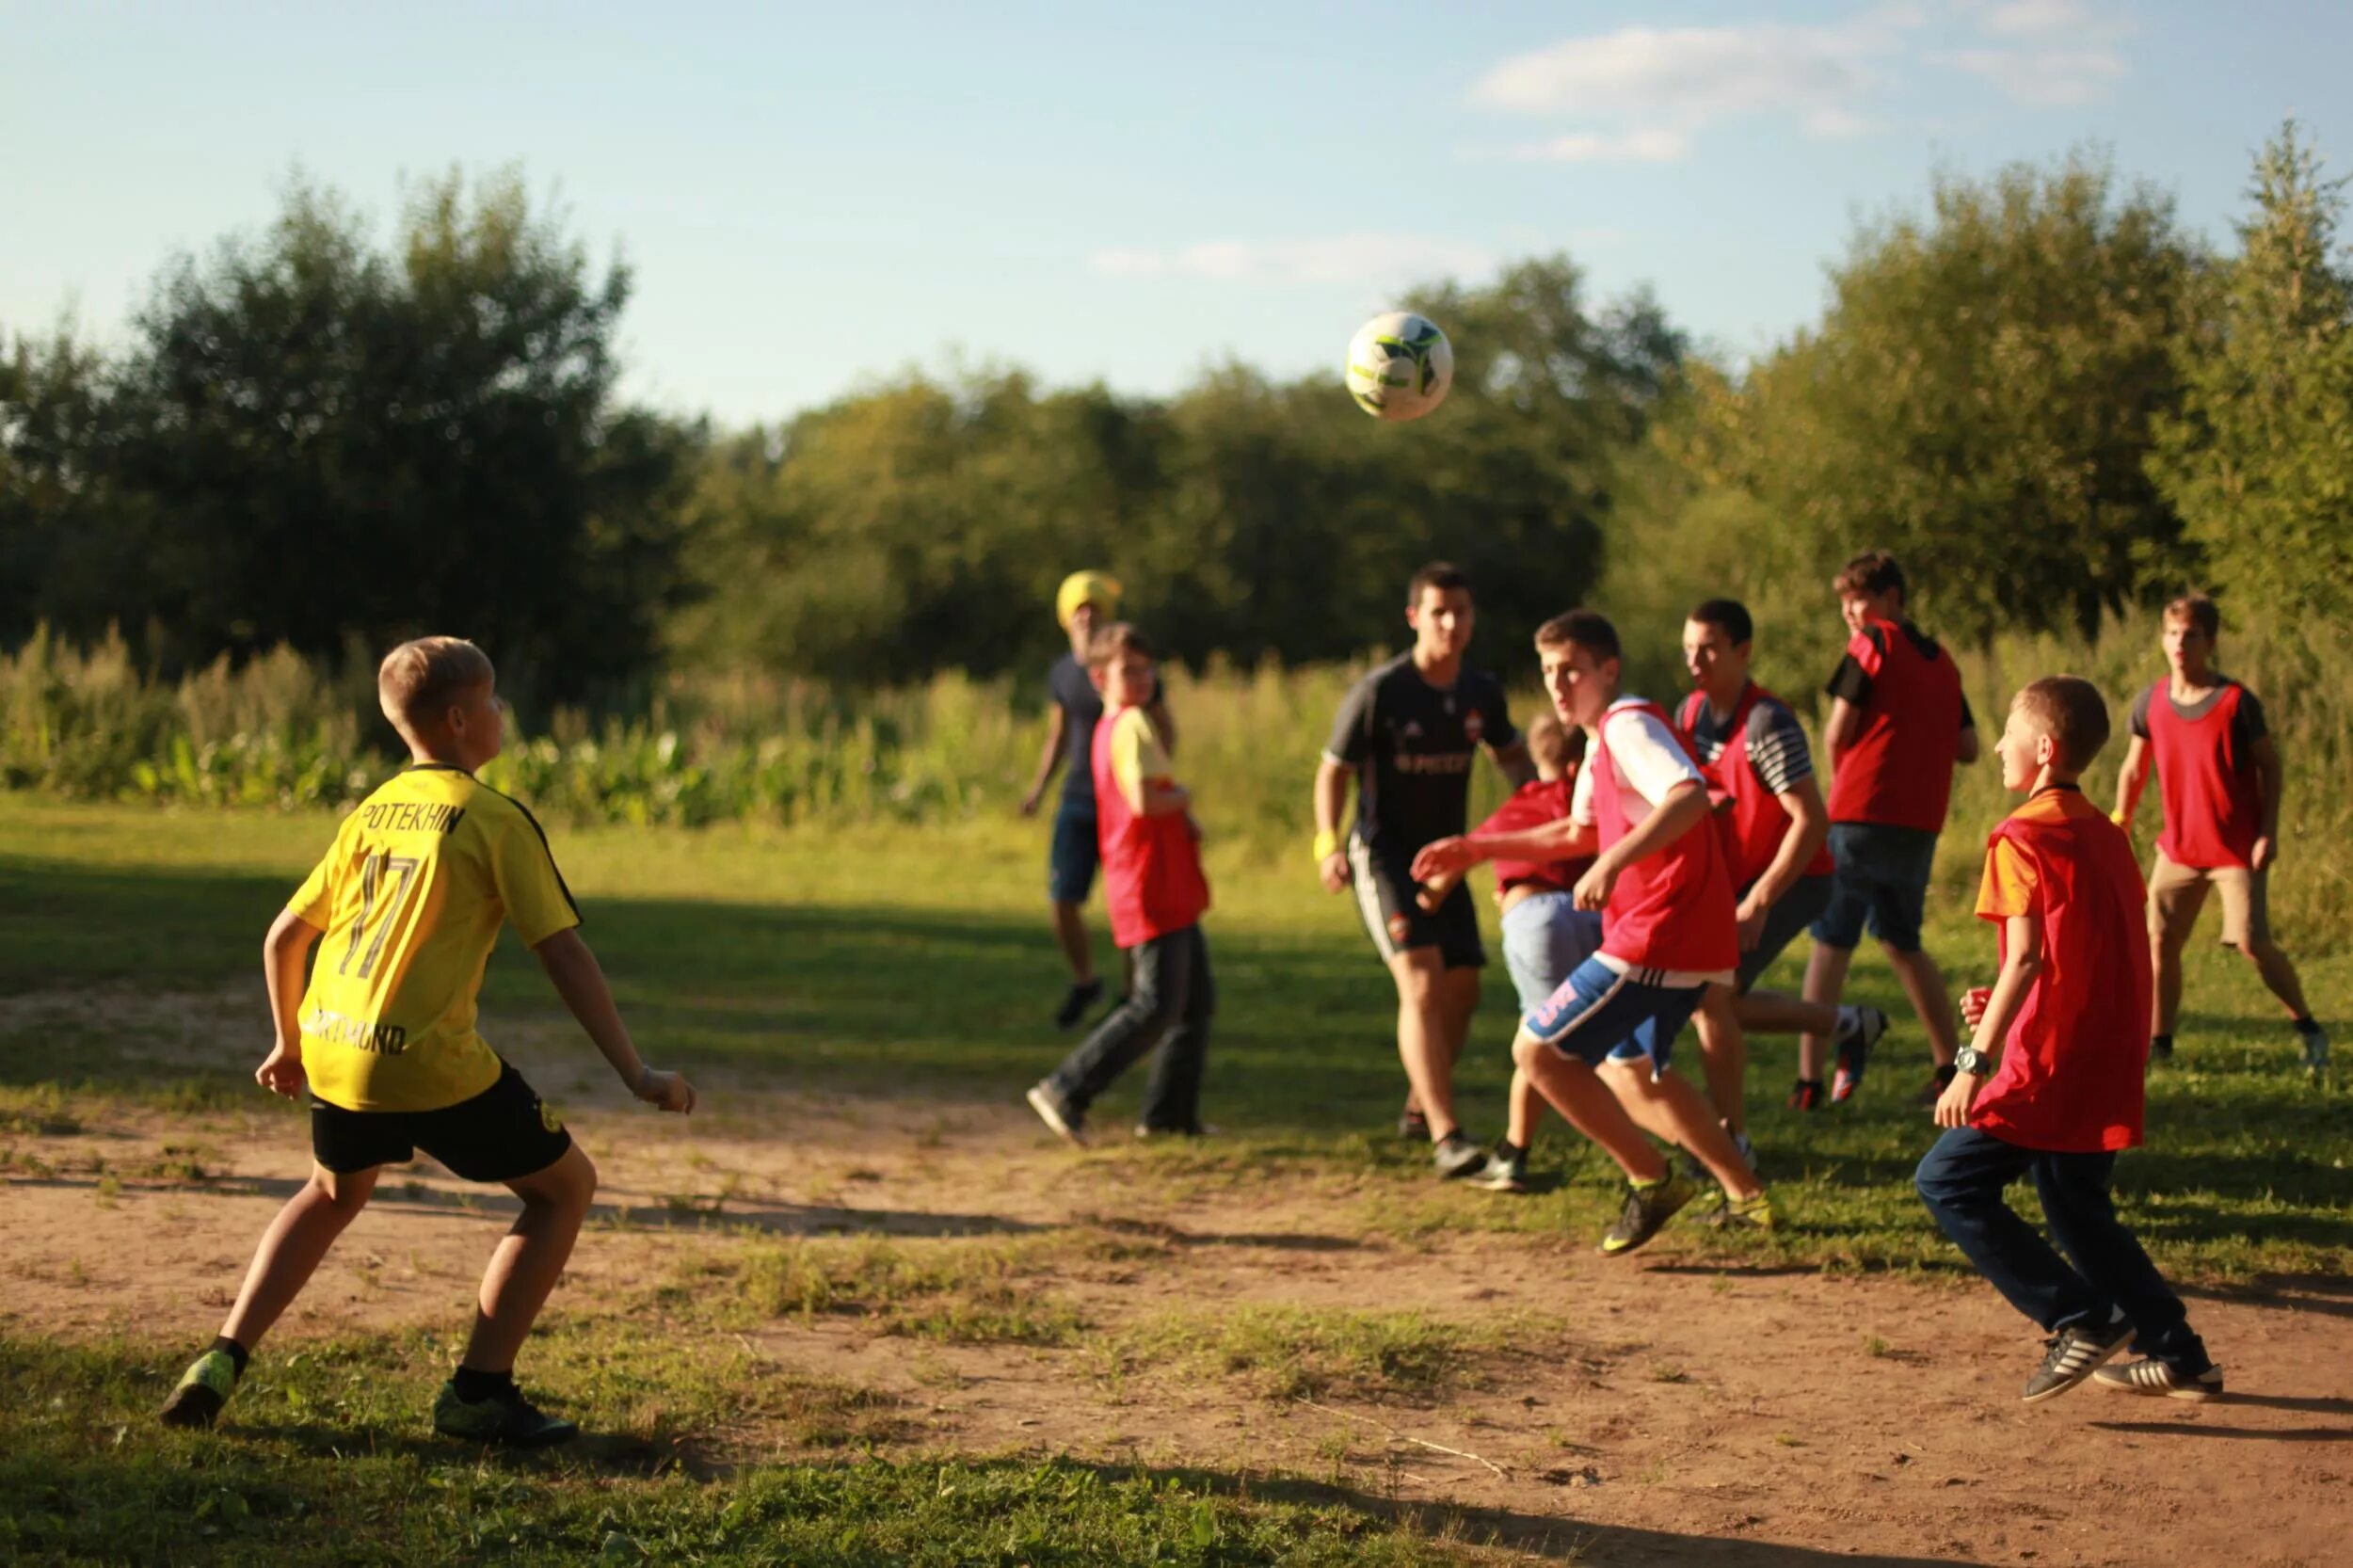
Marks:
<point>412,896</point>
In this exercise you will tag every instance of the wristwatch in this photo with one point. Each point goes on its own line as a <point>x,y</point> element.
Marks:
<point>1970,1060</point>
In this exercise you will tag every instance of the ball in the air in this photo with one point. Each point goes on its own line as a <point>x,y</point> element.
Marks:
<point>1400,366</point>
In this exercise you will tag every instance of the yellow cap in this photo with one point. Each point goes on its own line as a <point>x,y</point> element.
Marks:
<point>1100,589</point>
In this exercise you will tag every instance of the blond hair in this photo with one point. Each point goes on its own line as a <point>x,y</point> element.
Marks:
<point>417,680</point>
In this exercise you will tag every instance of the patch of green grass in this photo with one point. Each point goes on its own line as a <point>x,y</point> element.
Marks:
<point>326,1457</point>
<point>958,1291</point>
<point>1291,1352</point>
<point>36,1109</point>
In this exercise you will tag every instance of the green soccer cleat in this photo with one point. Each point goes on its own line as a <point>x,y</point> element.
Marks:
<point>505,1419</point>
<point>203,1389</point>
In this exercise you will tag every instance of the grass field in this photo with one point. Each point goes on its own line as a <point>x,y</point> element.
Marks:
<point>909,968</point>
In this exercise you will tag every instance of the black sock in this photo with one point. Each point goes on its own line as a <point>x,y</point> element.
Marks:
<point>2307,1025</point>
<point>235,1351</point>
<point>2161,1042</point>
<point>473,1386</point>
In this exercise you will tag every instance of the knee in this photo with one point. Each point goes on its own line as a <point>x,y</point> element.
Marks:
<point>1528,1053</point>
<point>345,1192</point>
<point>2262,951</point>
<point>572,1184</point>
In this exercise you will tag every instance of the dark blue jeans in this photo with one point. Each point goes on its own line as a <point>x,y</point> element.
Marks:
<point>1170,1001</point>
<point>1961,1178</point>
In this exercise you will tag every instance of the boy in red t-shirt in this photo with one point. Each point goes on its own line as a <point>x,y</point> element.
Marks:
<point>1155,893</point>
<point>2066,1097</point>
<point>1599,1048</point>
<point>2219,777</point>
<point>1897,724</point>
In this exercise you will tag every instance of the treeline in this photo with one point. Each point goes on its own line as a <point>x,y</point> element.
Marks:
<point>2052,400</point>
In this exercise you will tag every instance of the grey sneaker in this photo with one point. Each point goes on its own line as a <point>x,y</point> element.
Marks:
<point>1457,1157</point>
<point>1647,1209</point>
<point>1068,1122</point>
<point>2075,1354</point>
<point>2152,1376</point>
<point>1506,1170</point>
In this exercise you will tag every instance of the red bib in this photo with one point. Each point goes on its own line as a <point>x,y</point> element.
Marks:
<point>1673,909</point>
<point>1152,879</point>
<point>1899,771</point>
<point>1753,822</point>
<point>2069,1076</point>
<point>2212,809</point>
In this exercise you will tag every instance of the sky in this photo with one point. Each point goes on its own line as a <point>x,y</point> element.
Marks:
<point>813,198</point>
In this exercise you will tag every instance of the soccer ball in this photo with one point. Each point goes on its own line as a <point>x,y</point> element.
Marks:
<point>1400,366</point>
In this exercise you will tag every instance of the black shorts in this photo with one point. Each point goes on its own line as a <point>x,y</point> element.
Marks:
<point>1395,921</point>
<point>501,1133</point>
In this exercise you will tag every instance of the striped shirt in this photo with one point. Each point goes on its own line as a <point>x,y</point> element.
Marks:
<point>1778,752</point>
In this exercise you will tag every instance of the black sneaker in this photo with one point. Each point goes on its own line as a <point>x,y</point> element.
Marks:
<point>1647,1209</point>
<point>1808,1095</point>
<point>2160,1048</point>
<point>1075,1005</point>
<point>505,1418</point>
<point>1506,1169</point>
<point>1457,1157</point>
<point>1413,1127</point>
<point>1068,1121</point>
<point>2152,1376</point>
<point>1938,1082</point>
<point>2075,1354</point>
<point>2315,1043</point>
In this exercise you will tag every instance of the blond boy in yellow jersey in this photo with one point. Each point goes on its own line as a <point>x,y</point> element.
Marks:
<point>409,902</point>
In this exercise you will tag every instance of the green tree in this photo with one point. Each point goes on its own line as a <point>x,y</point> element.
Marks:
<point>1978,399</point>
<point>2260,461</point>
<point>314,440</point>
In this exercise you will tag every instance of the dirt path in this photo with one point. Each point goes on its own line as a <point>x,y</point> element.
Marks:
<point>1657,1411</point>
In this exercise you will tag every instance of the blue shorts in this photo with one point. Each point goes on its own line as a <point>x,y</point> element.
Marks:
<point>1598,1012</point>
<point>1070,864</point>
<point>1545,936</point>
<point>1881,873</point>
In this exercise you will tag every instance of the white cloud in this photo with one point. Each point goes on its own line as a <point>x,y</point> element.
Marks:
<point>1598,147</point>
<point>1337,260</point>
<point>2046,75</point>
<point>2029,18</point>
<point>1685,74</point>
<point>1661,86</point>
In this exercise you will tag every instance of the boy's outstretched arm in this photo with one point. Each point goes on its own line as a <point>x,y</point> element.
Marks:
<point>580,980</point>
<point>285,954</point>
<point>1557,839</point>
<point>2022,938</point>
<point>2130,780</point>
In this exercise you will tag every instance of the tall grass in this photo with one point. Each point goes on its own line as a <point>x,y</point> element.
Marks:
<point>279,733</point>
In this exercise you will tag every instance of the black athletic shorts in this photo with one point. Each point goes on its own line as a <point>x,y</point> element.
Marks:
<point>501,1133</point>
<point>1385,899</point>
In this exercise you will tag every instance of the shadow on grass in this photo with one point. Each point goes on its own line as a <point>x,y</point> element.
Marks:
<point>1558,1536</point>
<point>733,1214</point>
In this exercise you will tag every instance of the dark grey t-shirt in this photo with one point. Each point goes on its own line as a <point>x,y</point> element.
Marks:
<point>2246,723</point>
<point>1412,744</point>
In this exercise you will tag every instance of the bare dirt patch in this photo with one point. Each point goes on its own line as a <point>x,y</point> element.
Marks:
<point>1647,1410</point>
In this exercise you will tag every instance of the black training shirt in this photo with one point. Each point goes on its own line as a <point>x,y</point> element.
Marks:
<point>1411,744</point>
